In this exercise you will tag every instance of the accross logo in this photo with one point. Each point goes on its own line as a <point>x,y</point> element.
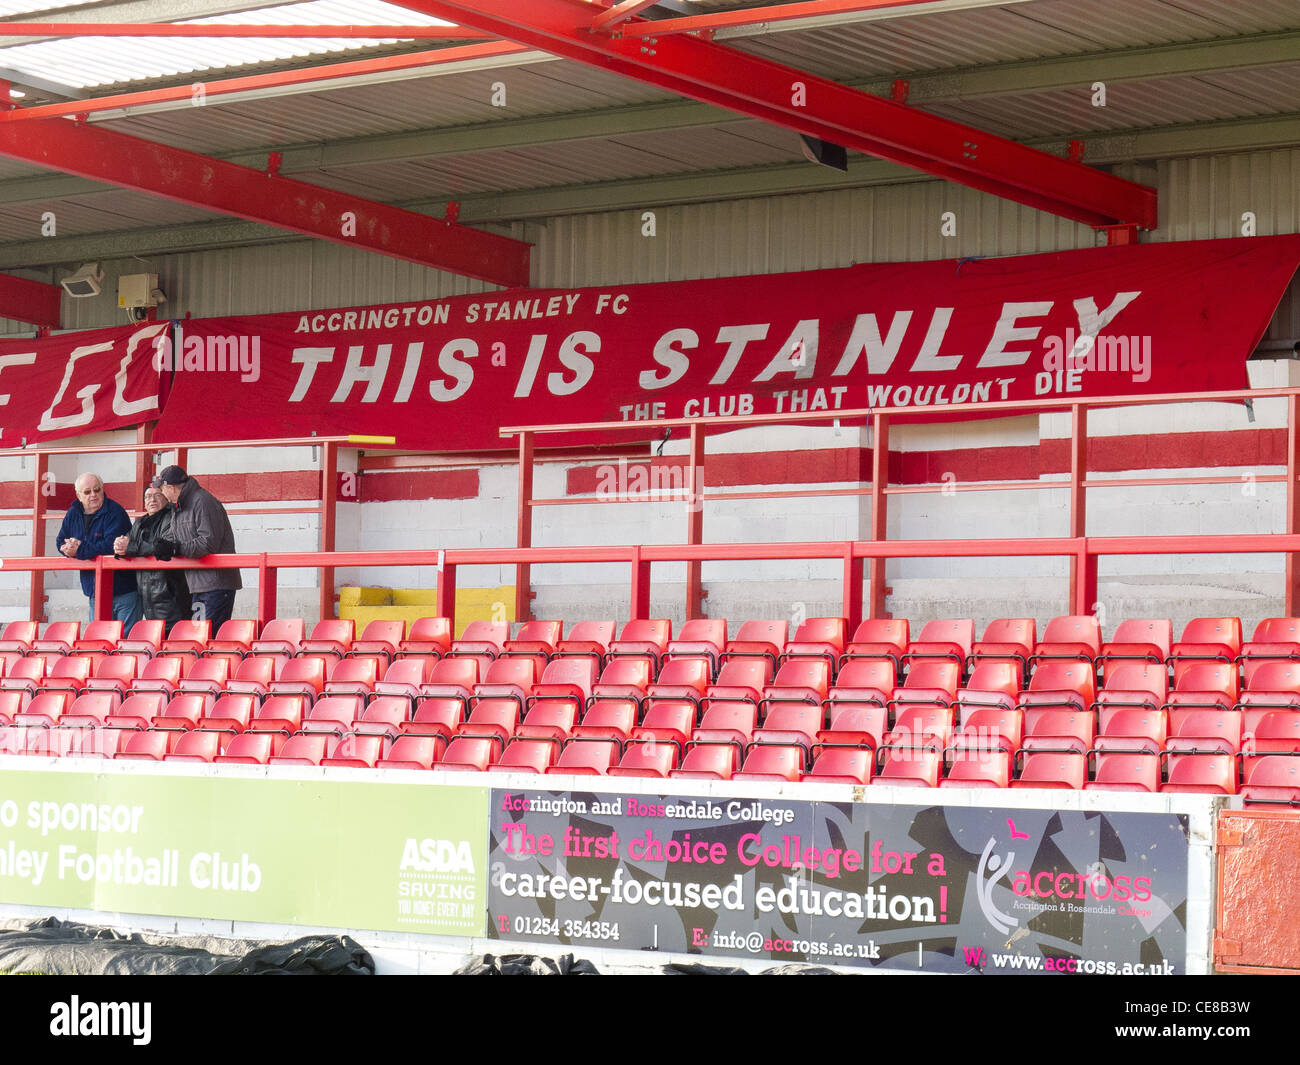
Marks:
<point>1071,885</point>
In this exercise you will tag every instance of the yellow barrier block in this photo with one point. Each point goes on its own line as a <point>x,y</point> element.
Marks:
<point>408,604</point>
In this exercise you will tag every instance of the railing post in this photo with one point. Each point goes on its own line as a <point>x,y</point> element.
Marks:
<point>1083,566</point>
<point>329,478</point>
<point>266,589</point>
<point>1292,500</point>
<point>103,590</point>
<point>879,509</point>
<point>695,523</point>
<point>143,461</point>
<point>640,597</point>
<point>524,538</point>
<point>446,601</point>
<point>852,587</point>
<point>36,607</point>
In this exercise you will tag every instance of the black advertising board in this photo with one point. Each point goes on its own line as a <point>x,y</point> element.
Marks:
<point>920,887</point>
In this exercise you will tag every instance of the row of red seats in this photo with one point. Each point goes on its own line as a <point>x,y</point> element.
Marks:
<point>1075,638</point>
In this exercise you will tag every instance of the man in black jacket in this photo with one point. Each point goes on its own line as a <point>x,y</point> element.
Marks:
<point>164,593</point>
<point>200,527</point>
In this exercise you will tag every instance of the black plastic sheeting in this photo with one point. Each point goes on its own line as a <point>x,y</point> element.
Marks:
<point>63,948</point>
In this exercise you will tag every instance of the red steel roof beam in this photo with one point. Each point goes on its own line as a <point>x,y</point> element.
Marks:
<point>270,80</point>
<point>227,188</point>
<point>22,300</point>
<point>231,29</point>
<point>792,98</point>
<point>752,16</point>
<point>620,13</point>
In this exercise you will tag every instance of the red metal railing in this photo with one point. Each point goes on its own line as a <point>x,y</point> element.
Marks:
<point>1083,551</point>
<point>1083,562</point>
<point>325,507</point>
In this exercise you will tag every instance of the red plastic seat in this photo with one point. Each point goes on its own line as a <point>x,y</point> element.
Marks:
<point>300,676</point>
<point>931,680</point>
<point>587,639</point>
<point>680,678</point>
<point>1131,730</point>
<point>385,716</point>
<point>18,636</point>
<point>913,767</point>
<point>206,675</point>
<point>303,749</point>
<point>406,677</point>
<point>45,709</point>
<point>644,637</point>
<point>879,638</point>
<point>1073,637</point>
<point>1274,685</point>
<point>773,762</point>
<point>567,680</point>
<point>98,637</point>
<point>841,765</point>
<point>162,674</point>
<point>256,674</point>
<point>1061,683</point>
<point>708,762</point>
<point>481,640</point>
<point>230,713</point>
<point>700,638</point>
<point>949,639</point>
<point>798,724</point>
<point>112,673</point>
<point>802,680</point>
<point>823,638</point>
<point>330,636</point>
<point>553,720</point>
<point>468,753</point>
<point>251,748</point>
<point>527,756</point>
<point>1272,780</point>
<point>536,640</point>
<point>413,752</point>
<point>986,728</point>
<point>623,683</point>
<point>279,713</point>
<point>1199,729</point>
<point>198,747</point>
<point>740,680</point>
<point>356,752</point>
<point>758,639</point>
<point>864,680</point>
<point>235,637</point>
<point>1209,771</point>
<point>380,637</point>
<point>1208,639</point>
<point>11,702</point>
<point>1007,641</point>
<point>135,711</point>
<point>59,636</point>
<point>667,720</point>
<point>1145,641</point>
<point>1126,771</point>
<point>1051,769</point>
<point>24,675</point>
<point>994,682</point>
<point>1275,640</point>
<point>922,726</point>
<point>1204,684</point>
<point>979,768</point>
<point>648,759</point>
<point>1275,732</point>
<point>330,714</point>
<point>150,746</point>
<point>428,636</point>
<point>353,677</point>
<point>183,712</point>
<point>187,638</point>
<point>1134,684</point>
<point>280,636</point>
<point>855,725</point>
<point>69,673</point>
<point>1059,728</point>
<point>586,757</point>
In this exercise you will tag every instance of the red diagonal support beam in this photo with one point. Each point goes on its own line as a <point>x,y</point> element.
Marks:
<point>233,29</point>
<point>740,82</point>
<point>216,185</point>
<point>29,301</point>
<point>620,13</point>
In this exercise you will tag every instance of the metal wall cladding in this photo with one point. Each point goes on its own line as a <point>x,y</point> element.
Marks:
<point>1200,198</point>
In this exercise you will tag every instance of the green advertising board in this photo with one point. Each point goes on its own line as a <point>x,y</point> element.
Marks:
<point>330,852</point>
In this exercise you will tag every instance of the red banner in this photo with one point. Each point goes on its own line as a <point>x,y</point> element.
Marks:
<point>79,383</point>
<point>444,374</point>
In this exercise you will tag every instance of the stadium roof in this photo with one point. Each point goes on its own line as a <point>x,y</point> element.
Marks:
<point>506,130</point>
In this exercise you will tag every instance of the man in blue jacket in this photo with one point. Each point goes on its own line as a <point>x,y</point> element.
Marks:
<point>89,528</point>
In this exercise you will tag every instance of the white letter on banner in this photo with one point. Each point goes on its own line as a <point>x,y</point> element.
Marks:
<point>22,358</point>
<point>86,415</point>
<point>672,360</point>
<point>866,337</point>
<point>1006,331</point>
<point>123,407</point>
<point>309,359</point>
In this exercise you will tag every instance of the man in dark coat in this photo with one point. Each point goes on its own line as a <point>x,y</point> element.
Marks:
<point>200,527</point>
<point>89,528</point>
<point>164,593</point>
